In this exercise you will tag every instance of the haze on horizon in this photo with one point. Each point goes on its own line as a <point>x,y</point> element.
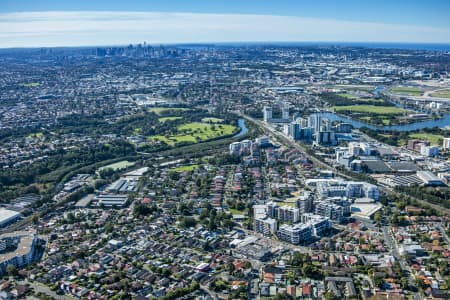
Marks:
<point>79,23</point>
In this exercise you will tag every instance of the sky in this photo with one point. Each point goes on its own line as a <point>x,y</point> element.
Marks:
<point>48,23</point>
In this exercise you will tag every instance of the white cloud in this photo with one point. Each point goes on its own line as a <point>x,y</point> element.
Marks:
<point>66,28</point>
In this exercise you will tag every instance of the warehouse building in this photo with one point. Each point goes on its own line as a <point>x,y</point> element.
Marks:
<point>8,216</point>
<point>112,200</point>
<point>429,178</point>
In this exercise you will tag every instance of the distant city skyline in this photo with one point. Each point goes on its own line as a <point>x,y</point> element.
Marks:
<point>97,23</point>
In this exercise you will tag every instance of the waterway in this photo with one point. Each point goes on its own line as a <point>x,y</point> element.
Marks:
<point>441,123</point>
<point>243,128</point>
<point>378,89</point>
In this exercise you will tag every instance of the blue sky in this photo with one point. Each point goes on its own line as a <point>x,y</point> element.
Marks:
<point>99,22</point>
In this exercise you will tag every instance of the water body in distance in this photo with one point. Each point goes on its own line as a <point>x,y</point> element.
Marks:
<point>441,123</point>
<point>402,46</point>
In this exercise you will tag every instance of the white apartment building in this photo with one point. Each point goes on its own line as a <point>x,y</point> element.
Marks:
<point>266,225</point>
<point>288,214</point>
<point>295,234</point>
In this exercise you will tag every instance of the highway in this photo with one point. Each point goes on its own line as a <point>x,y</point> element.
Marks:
<point>283,139</point>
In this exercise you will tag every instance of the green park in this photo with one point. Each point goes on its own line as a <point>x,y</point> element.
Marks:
<point>195,132</point>
<point>410,91</point>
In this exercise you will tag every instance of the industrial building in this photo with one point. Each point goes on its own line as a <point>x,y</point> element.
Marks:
<point>8,216</point>
<point>429,178</point>
<point>111,200</point>
<point>123,186</point>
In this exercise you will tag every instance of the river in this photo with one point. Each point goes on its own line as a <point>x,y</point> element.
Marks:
<point>244,129</point>
<point>441,123</point>
<point>378,89</point>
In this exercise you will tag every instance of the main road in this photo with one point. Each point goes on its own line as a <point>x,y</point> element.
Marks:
<point>403,263</point>
<point>282,138</point>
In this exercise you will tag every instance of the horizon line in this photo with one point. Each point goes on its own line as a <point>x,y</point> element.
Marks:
<point>217,43</point>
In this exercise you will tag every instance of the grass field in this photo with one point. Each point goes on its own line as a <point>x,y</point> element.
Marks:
<point>185,168</point>
<point>38,135</point>
<point>289,203</point>
<point>165,119</point>
<point>365,88</point>
<point>377,110</point>
<point>441,94</point>
<point>117,166</point>
<point>434,139</point>
<point>348,96</point>
<point>386,122</point>
<point>207,129</point>
<point>412,91</point>
<point>196,132</point>
<point>31,84</point>
<point>356,98</point>
<point>161,110</point>
<point>236,212</point>
<point>212,120</point>
<point>377,115</point>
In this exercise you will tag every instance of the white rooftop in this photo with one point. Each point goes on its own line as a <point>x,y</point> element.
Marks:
<point>6,214</point>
